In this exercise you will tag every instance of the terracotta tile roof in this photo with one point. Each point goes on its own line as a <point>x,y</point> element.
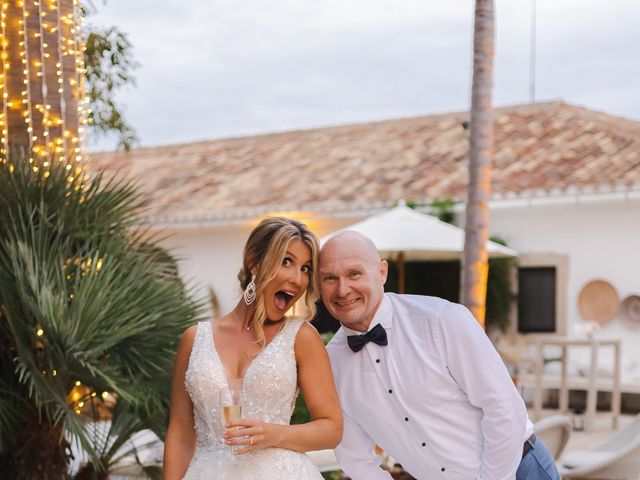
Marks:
<point>539,147</point>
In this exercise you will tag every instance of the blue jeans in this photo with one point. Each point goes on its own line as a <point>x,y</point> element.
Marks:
<point>537,464</point>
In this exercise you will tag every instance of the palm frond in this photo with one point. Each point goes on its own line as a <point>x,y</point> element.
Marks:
<point>87,297</point>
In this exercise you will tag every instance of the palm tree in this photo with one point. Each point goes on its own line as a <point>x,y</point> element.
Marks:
<point>91,310</point>
<point>473,289</point>
<point>91,307</point>
<point>43,110</point>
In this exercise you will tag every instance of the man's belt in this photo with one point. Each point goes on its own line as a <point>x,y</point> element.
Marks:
<point>528,444</point>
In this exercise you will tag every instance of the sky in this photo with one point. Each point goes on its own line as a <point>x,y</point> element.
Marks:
<point>220,68</point>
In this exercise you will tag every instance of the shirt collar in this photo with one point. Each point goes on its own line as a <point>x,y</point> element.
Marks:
<point>383,316</point>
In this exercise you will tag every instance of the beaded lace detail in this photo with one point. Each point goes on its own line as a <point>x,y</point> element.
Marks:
<point>269,392</point>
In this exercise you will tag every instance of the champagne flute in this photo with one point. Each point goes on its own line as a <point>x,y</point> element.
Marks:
<point>230,401</point>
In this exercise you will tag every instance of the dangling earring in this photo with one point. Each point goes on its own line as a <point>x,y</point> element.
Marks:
<point>249,293</point>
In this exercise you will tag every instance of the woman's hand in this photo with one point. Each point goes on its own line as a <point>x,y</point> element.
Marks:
<point>251,435</point>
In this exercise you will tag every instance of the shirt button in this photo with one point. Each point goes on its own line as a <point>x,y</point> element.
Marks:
<point>424,444</point>
<point>442,469</point>
<point>406,419</point>
<point>377,360</point>
<point>390,391</point>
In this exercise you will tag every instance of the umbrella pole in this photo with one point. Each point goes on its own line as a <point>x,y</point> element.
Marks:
<point>401,272</point>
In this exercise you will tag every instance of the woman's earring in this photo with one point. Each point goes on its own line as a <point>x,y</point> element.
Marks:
<point>250,292</point>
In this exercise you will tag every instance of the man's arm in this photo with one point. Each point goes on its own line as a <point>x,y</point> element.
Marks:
<point>479,371</point>
<point>356,456</point>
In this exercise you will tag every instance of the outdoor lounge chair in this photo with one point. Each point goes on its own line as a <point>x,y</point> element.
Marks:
<point>554,431</point>
<point>616,459</point>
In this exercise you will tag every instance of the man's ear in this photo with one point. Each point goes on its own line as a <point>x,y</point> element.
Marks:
<point>384,270</point>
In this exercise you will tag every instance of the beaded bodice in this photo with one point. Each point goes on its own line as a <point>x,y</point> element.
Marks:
<point>269,388</point>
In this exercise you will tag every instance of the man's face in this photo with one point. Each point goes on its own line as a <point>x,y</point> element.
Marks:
<point>351,280</point>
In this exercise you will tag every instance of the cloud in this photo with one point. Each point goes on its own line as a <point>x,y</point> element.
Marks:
<point>224,67</point>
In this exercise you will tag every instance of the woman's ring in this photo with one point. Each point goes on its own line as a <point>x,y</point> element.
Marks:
<point>250,440</point>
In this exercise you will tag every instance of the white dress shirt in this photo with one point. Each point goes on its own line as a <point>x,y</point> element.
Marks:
<point>437,398</point>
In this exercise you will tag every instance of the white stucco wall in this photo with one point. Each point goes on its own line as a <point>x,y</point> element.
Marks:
<point>601,240</point>
<point>210,258</point>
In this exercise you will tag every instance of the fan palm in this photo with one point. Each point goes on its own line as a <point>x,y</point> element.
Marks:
<point>90,308</point>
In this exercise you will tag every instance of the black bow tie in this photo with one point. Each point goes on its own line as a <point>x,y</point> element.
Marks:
<point>376,335</point>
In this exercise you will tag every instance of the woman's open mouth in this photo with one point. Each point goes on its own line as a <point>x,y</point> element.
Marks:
<point>283,299</point>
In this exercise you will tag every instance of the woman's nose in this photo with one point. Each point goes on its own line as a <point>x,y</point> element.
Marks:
<point>296,277</point>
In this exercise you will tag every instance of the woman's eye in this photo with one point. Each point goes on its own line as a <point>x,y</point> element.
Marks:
<point>286,262</point>
<point>306,269</point>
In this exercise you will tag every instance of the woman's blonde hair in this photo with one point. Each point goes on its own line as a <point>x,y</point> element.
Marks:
<point>263,254</point>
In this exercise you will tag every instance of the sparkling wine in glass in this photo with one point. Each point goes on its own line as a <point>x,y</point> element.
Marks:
<point>230,412</point>
<point>230,404</point>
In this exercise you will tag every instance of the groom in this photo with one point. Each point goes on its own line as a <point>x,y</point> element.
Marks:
<point>419,377</point>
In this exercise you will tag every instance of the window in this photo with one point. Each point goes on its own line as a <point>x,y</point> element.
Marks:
<point>536,299</point>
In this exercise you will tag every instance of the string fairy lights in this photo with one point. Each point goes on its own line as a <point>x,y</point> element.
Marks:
<point>44,108</point>
<point>84,399</point>
<point>4,56</point>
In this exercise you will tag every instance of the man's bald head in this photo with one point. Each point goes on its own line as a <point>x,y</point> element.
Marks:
<point>352,239</point>
<point>352,278</point>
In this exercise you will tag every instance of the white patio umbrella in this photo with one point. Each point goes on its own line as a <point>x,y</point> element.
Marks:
<point>404,234</point>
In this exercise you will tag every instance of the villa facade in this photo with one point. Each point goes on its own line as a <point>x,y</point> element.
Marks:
<point>566,195</point>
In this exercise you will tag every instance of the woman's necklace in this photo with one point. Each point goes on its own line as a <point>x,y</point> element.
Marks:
<point>247,328</point>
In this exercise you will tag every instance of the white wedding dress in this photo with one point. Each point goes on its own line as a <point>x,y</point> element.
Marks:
<point>269,393</point>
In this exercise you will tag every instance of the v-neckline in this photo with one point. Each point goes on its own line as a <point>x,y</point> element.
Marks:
<point>246,370</point>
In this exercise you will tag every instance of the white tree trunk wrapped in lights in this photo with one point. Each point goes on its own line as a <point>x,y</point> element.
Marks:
<point>43,110</point>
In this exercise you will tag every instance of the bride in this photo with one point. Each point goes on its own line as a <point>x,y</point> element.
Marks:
<point>272,356</point>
